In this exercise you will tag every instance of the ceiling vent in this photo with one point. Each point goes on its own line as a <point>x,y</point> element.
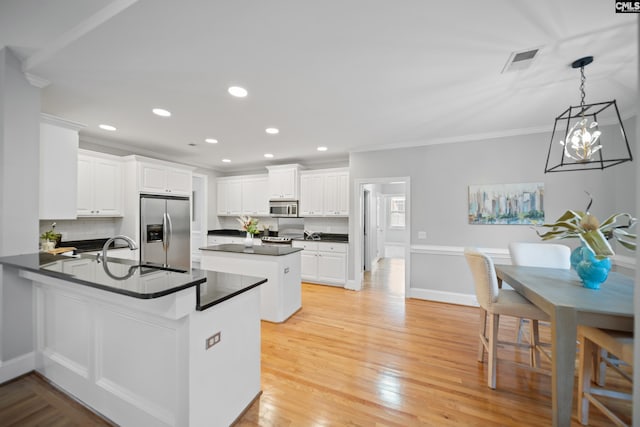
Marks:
<point>520,60</point>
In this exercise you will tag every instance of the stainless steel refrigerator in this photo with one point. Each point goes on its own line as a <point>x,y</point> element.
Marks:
<point>165,231</point>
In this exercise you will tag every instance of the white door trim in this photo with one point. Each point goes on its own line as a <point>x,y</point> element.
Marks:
<point>358,237</point>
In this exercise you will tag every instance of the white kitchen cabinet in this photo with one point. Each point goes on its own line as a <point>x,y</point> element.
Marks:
<point>229,196</point>
<point>99,185</point>
<point>324,193</point>
<point>336,193</point>
<point>243,195</point>
<point>311,194</point>
<point>160,178</point>
<point>323,262</point>
<point>58,168</point>
<point>255,195</point>
<point>284,182</point>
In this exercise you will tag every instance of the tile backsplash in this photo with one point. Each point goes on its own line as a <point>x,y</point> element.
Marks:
<point>84,229</point>
<point>327,225</point>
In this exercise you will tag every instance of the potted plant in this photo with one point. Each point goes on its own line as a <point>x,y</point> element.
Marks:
<point>592,259</point>
<point>50,239</point>
<point>250,225</point>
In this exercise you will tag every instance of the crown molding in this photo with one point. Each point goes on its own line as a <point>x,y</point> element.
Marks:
<point>131,150</point>
<point>59,121</point>
<point>456,139</point>
<point>37,81</point>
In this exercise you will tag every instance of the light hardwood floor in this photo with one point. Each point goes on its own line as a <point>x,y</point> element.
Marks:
<point>374,358</point>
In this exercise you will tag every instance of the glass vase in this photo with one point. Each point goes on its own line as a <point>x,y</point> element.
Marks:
<point>248,240</point>
<point>592,271</point>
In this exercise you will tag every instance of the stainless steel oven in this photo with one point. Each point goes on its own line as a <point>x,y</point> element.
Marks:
<point>283,208</point>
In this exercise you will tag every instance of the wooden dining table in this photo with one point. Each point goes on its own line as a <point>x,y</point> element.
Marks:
<point>560,294</point>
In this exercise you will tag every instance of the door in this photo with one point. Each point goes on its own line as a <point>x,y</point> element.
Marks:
<point>152,230</point>
<point>366,263</point>
<point>178,236</point>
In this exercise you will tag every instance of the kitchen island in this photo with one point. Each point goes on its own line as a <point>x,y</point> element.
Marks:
<point>281,296</point>
<point>144,345</point>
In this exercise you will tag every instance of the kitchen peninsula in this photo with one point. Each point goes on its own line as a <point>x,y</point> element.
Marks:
<point>144,345</point>
<point>281,296</point>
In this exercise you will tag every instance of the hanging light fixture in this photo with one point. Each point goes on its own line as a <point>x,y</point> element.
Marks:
<point>580,146</point>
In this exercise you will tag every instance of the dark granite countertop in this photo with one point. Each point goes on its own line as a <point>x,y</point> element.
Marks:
<point>220,287</point>
<point>328,237</point>
<point>91,245</point>
<point>119,276</point>
<point>320,237</point>
<point>239,233</point>
<point>254,250</point>
<point>126,277</point>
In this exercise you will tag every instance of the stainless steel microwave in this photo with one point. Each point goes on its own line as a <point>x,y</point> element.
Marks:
<point>283,208</point>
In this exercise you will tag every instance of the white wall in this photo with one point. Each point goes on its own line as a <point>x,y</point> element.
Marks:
<point>440,176</point>
<point>19,206</point>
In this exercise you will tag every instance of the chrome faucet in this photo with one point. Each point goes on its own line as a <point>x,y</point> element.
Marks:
<point>132,245</point>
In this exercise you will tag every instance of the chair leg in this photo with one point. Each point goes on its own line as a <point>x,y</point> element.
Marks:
<point>534,341</point>
<point>585,369</point>
<point>494,320</point>
<point>601,367</point>
<point>519,327</point>
<point>482,334</point>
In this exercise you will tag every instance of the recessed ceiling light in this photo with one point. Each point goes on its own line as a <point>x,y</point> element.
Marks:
<point>268,155</point>
<point>272,131</point>
<point>211,141</point>
<point>238,92</point>
<point>226,161</point>
<point>107,127</point>
<point>322,148</point>
<point>161,112</point>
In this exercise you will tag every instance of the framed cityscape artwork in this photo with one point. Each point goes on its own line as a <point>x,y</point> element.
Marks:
<point>506,203</point>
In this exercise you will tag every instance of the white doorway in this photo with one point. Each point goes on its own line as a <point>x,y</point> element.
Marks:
<point>382,230</point>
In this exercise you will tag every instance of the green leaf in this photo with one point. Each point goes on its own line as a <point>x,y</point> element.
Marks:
<point>595,240</point>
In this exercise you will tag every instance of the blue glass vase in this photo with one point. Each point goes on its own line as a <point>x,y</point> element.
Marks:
<point>591,270</point>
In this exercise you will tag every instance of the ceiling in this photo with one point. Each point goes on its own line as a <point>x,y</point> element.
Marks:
<point>349,75</point>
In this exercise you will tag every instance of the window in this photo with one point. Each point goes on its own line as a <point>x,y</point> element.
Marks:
<point>396,212</point>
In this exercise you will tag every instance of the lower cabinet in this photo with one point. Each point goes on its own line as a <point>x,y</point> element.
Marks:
<point>323,262</point>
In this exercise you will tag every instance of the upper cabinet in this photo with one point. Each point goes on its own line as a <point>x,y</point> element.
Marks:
<point>324,192</point>
<point>229,196</point>
<point>100,180</point>
<point>255,195</point>
<point>164,179</point>
<point>284,182</point>
<point>336,193</point>
<point>58,167</point>
<point>243,195</point>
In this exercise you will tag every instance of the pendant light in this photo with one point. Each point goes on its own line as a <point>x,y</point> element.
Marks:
<point>576,138</point>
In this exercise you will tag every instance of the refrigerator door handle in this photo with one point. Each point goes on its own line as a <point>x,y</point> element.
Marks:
<point>169,230</point>
<point>164,231</point>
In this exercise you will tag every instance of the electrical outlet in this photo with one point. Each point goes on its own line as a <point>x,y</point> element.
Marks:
<point>422,234</point>
<point>212,340</point>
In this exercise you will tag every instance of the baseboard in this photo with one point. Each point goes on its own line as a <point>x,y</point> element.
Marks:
<point>17,366</point>
<point>353,285</point>
<point>443,296</point>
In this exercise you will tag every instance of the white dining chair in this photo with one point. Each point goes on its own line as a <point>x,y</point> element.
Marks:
<point>548,255</point>
<point>592,342</point>
<point>495,302</point>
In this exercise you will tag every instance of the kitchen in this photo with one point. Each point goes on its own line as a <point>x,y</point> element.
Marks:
<point>434,265</point>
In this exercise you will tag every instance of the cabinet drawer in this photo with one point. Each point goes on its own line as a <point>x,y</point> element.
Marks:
<point>332,247</point>
<point>306,245</point>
